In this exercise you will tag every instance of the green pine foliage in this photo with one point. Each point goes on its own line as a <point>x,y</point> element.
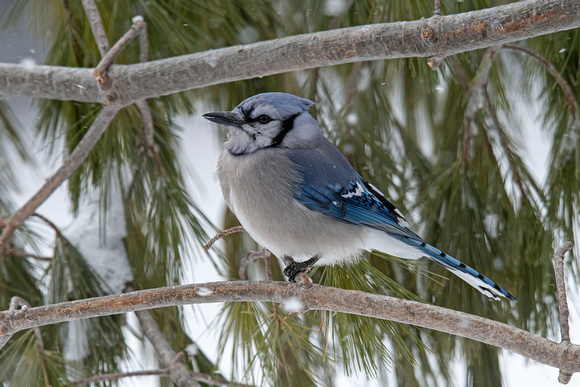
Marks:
<point>398,122</point>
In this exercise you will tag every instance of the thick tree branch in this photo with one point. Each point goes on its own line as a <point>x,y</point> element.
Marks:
<point>436,37</point>
<point>317,297</point>
<point>79,154</point>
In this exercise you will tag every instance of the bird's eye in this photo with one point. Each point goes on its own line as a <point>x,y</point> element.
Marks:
<point>264,119</point>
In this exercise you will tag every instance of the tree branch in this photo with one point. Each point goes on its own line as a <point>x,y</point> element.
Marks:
<point>16,302</point>
<point>564,376</point>
<point>96,26</point>
<point>179,373</point>
<point>504,143</point>
<point>554,72</point>
<point>479,83</point>
<point>561,289</point>
<point>79,154</point>
<point>222,234</point>
<point>120,375</point>
<point>317,297</point>
<point>105,63</point>
<point>436,37</point>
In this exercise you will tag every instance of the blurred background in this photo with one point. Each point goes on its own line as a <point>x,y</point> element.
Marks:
<point>500,194</point>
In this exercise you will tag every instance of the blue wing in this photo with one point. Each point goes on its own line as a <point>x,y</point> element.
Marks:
<point>332,187</point>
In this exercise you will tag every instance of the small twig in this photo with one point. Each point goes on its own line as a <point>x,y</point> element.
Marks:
<point>49,223</point>
<point>147,124</point>
<point>252,256</point>
<point>223,234</point>
<point>24,305</point>
<point>504,142</point>
<point>564,377</point>
<point>96,26</point>
<point>554,72</point>
<point>120,375</point>
<point>561,289</point>
<point>109,58</point>
<point>20,253</point>
<point>268,267</point>
<point>437,8</point>
<point>149,133</point>
<point>79,154</point>
<point>472,104</point>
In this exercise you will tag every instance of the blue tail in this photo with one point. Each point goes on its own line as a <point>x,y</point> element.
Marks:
<point>466,273</point>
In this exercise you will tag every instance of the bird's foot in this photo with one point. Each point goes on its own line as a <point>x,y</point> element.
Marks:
<point>294,268</point>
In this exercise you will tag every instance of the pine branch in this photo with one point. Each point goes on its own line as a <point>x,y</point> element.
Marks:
<point>436,37</point>
<point>21,253</point>
<point>16,302</point>
<point>504,143</point>
<point>554,72</point>
<point>178,371</point>
<point>96,26</point>
<point>564,376</point>
<point>473,102</point>
<point>79,154</point>
<point>76,158</point>
<point>105,63</point>
<point>121,375</point>
<point>317,297</point>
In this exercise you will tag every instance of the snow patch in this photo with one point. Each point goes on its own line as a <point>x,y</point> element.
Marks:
<point>292,305</point>
<point>203,292</point>
<point>27,62</point>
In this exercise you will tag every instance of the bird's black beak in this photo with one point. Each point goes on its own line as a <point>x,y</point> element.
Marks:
<point>225,118</point>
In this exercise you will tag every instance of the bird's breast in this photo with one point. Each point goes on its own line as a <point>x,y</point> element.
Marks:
<point>260,188</point>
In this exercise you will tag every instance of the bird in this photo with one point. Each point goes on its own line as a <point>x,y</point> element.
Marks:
<point>296,194</point>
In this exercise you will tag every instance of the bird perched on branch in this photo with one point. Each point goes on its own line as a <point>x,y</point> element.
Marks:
<point>297,195</point>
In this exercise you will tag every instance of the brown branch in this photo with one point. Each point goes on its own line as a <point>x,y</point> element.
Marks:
<point>79,154</point>
<point>472,103</point>
<point>96,26</point>
<point>317,297</point>
<point>504,143</point>
<point>222,234</point>
<point>121,375</point>
<point>436,37</point>
<point>554,72</point>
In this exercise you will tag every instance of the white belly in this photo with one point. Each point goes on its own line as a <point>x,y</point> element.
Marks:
<point>259,190</point>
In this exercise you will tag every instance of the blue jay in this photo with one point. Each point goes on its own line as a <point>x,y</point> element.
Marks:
<point>297,195</point>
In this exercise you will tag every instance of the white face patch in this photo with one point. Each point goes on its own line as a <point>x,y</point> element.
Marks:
<point>357,192</point>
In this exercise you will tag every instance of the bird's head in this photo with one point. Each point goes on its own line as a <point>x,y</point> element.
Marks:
<point>269,120</point>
